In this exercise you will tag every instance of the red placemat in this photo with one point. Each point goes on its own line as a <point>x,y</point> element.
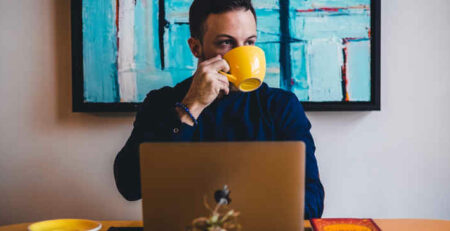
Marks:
<point>344,224</point>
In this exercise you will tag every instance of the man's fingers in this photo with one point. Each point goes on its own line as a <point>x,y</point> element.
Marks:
<point>220,83</point>
<point>224,87</point>
<point>222,78</point>
<point>211,60</point>
<point>223,81</point>
<point>220,65</point>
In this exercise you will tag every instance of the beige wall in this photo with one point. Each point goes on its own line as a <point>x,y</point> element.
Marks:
<point>55,163</point>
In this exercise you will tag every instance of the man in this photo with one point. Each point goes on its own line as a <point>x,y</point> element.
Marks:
<point>206,107</point>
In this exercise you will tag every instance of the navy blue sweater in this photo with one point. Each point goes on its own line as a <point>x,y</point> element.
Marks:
<point>267,114</point>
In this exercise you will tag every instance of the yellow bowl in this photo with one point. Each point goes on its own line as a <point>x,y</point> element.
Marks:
<point>65,225</point>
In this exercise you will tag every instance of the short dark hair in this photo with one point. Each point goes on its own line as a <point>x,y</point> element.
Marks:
<point>201,9</point>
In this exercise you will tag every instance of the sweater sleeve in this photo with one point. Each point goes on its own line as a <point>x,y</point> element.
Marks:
<point>294,125</point>
<point>156,121</point>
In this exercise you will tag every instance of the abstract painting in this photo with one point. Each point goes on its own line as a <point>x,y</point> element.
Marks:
<point>324,51</point>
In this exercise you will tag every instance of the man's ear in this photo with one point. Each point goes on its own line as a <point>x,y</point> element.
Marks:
<point>196,47</point>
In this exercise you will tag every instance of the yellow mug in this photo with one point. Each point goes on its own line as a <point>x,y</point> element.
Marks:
<point>247,67</point>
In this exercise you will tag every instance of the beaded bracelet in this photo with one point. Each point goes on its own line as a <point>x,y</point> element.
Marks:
<point>186,109</point>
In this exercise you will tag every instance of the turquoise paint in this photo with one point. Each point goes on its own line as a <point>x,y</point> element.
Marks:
<point>325,62</point>
<point>178,5</point>
<point>179,61</point>
<point>299,71</point>
<point>147,55</point>
<point>100,51</point>
<point>319,78</point>
<point>268,26</point>
<point>143,36</point>
<point>358,69</point>
<point>152,80</point>
<point>178,54</point>
<point>154,29</point>
<point>272,51</point>
<point>177,11</point>
<point>150,76</point>
<point>266,4</point>
<point>310,28</point>
<point>310,4</point>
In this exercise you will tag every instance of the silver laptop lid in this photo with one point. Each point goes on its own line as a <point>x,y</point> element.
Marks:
<point>266,180</point>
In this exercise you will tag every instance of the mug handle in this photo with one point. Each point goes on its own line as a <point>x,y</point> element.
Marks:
<point>230,77</point>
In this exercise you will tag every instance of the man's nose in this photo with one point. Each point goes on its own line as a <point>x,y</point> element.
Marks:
<point>239,44</point>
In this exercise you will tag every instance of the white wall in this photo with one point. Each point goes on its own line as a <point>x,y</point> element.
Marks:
<point>389,164</point>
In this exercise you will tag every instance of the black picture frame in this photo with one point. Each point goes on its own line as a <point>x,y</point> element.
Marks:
<point>78,104</point>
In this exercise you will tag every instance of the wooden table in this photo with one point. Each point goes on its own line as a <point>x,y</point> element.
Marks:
<point>384,224</point>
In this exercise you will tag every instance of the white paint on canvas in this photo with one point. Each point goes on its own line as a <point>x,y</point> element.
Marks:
<point>126,62</point>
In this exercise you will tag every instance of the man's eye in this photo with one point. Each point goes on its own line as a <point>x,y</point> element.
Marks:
<point>251,43</point>
<point>225,42</point>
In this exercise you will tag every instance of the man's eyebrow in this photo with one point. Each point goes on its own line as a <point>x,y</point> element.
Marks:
<point>224,35</point>
<point>231,37</point>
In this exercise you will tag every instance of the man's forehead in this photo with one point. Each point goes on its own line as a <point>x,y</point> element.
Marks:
<point>233,23</point>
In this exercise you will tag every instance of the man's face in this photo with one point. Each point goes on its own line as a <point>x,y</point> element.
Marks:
<point>224,32</point>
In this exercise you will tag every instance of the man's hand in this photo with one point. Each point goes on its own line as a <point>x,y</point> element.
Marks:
<point>206,85</point>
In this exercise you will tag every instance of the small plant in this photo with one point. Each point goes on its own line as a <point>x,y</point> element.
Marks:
<point>222,218</point>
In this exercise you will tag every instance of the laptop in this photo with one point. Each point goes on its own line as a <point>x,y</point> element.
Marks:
<point>264,182</point>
